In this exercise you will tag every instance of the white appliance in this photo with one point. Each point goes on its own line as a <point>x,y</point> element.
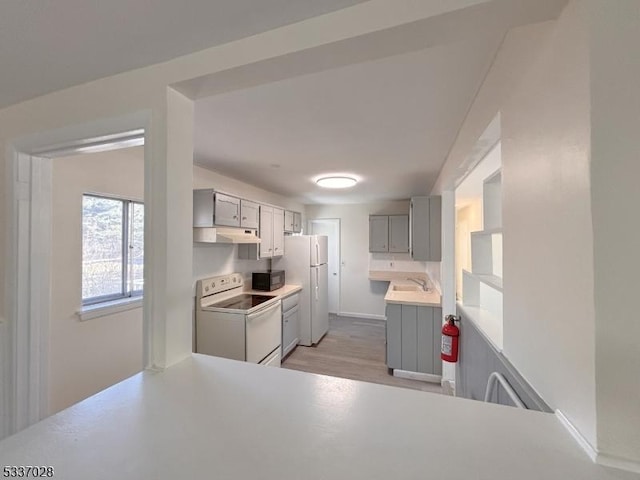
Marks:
<point>237,325</point>
<point>305,264</point>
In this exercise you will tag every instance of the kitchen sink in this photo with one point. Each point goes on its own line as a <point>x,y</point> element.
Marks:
<point>407,288</point>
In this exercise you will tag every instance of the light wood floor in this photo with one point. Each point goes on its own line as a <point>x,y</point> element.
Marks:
<point>353,348</point>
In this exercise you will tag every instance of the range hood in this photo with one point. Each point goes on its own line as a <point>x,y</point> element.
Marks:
<point>225,235</point>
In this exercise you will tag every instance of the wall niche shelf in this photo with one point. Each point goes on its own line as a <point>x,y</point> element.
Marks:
<point>482,286</point>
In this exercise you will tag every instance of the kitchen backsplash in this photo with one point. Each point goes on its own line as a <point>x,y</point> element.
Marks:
<point>433,270</point>
<point>400,262</point>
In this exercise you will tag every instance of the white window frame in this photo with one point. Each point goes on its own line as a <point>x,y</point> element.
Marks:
<point>125,295</point>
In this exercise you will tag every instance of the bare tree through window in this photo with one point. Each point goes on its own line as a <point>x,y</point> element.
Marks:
<point>112,248</point>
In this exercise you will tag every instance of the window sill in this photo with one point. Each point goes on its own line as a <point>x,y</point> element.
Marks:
<point>89,312</point>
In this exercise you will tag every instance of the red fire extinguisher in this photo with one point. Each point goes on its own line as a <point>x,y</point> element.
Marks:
<point>450,337</point>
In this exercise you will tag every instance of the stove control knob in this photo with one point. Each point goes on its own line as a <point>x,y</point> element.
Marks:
<point>213,284</point>
<point>206,289</point>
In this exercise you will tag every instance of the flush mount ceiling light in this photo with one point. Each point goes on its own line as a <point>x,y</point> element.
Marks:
<point>336,182</point>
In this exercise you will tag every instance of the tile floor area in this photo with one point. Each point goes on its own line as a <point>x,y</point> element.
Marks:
<point>353,348</point>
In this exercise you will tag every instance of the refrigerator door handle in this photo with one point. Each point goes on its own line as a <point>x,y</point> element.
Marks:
<point>317,253</point>
<point>317,284</point>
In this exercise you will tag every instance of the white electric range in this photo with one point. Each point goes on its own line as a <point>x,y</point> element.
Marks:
<point>237,325</point>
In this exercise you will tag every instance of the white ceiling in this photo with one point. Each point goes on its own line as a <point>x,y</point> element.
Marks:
<point>47,45</point>
<point>389,121</point>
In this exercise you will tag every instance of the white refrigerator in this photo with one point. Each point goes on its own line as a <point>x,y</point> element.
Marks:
<point>305,264</point>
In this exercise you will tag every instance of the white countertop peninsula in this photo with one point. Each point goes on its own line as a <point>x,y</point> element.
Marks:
<point>209,417</point>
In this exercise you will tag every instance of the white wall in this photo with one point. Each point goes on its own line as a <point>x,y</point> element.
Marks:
<point>539,83</point>
<point>549,317</point>
<point>358,295</point>
<point>615,198</point>
<point>88,356</point>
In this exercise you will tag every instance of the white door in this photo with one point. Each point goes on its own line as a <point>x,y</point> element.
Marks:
<point>331,228</point>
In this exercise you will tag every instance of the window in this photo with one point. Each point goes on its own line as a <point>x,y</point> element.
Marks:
<point>112,249</point>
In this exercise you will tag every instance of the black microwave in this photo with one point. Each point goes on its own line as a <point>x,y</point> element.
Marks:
<point>267,280</point>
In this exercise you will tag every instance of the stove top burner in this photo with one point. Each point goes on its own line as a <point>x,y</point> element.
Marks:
<point>244,301</point>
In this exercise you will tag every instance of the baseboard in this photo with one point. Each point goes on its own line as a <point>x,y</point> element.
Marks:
<point>448,387</point>
<point>577,436</point>
<point>423,377</point>
<point>619,463</point>
<point>597,457</point>
<point>362,315</point>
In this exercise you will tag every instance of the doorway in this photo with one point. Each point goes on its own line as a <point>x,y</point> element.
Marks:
<point>41,272</point>
<point>331,228</point>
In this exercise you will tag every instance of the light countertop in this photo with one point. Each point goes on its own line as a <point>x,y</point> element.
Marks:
<point>280,292</point>
<point>430,298</point>
<point>209,417</point>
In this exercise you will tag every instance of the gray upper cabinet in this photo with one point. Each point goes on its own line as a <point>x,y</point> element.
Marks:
<point>227,210</point>
<point>398,233</point>
<point>425,221</point>
<point>297,222</point>
<point>388,233</point>
<point>266,231</point>
<point>203,203</point>
<point>212,208</point>
<point>250,214</point>
<point>278,232</point>
<point>378,233</point>
<point>292,221</point>
<point>288,221</point>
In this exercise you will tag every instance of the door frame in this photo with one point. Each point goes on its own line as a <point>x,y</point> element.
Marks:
<point>24,343</point>
<point>336,223</point>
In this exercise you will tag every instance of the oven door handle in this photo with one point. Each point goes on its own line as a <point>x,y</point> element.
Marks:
<point>263,311</point>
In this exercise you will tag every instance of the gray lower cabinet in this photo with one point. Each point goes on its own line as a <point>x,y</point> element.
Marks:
<point>290,323</point>
<point>413,338</point>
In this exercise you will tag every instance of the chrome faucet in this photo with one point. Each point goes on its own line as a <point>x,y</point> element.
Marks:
<point>422,283</point>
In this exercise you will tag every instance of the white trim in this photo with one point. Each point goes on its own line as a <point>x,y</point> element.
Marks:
<point>423,377</point>
<point>103,309</point>
<point>577,436</point>
<point>41,219</point>
<point>370,316</point>
<point>29,289</point>
<point>620,463</point>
